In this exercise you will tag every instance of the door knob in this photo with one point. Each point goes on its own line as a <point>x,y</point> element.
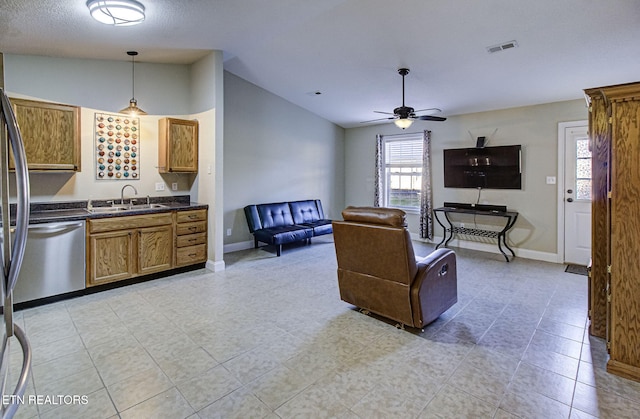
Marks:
<point>569,190</point>
<point>569,199</point>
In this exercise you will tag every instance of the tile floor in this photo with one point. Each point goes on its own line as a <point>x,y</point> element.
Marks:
<point>269,337</point>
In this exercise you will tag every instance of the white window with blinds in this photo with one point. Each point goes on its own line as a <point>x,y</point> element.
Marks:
<point>402,180</point>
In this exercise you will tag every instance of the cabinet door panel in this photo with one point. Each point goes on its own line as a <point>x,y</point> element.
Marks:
<point>111,257</point>
<point>625,230</point>
<point>183,147</point>
<point>155,249</point>
<point>51,134</point>
<point>177,146</point>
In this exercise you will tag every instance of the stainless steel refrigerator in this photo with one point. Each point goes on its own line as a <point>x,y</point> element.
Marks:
<point>13,238</point>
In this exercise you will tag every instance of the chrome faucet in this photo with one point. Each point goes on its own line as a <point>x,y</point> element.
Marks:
<point>122,192</point>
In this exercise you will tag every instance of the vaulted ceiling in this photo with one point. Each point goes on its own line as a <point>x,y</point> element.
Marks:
<point>350,50</point>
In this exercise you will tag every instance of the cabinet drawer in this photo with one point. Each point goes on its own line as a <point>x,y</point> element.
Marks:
<point>192,254</point>
<point>129,222</point>
<point>191,228</point>
<point>189,216</point>
<point>191,239</point>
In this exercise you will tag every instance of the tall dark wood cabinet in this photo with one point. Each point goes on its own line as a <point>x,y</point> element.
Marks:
<point>614,285</point>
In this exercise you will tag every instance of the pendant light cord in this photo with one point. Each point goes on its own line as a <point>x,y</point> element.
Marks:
<point>133,76</point>
<point>133,72</point>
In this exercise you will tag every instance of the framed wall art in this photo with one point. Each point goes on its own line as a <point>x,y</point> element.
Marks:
<point>117,147</point>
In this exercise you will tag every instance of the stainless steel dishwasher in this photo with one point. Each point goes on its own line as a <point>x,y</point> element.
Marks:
<point>54,261</point>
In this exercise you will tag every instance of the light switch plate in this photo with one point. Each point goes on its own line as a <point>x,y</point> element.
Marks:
<point>551,180</point>
<point>159,186</point>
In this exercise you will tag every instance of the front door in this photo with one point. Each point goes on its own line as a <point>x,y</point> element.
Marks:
<point>577,195</point>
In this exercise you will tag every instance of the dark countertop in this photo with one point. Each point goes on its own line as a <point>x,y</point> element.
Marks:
<point>77,210</point>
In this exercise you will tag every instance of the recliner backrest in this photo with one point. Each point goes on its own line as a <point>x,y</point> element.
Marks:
<point>375,242</point>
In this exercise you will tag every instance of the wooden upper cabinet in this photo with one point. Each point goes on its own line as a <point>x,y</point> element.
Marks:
<point>51,134</point>
<point>178,146</point>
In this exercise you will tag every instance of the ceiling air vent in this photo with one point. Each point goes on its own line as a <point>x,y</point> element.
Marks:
<point>502,47</point>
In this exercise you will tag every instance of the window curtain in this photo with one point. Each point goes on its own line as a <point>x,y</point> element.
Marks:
<point>377,199</point>
<point>426,199</point>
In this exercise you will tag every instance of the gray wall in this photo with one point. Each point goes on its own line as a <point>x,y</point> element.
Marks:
<point>534,127</point>
<point>276,151</point>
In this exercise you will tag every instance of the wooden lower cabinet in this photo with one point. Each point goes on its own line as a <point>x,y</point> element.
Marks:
<point>191,237</point>
<point>110,257</point>
<point>155,249</point>
<point>124,247</point>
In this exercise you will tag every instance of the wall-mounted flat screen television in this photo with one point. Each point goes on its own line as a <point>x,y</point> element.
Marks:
<point>487,168</point>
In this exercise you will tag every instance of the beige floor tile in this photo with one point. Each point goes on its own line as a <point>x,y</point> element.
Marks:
<point>167,405</point>
<point>533,405</point>
<point>122,364</point>
<point>240,404</point>
<point>138,388</point>
<point>451,402</point>
<point>548,383</point>
<point>600,402</point>
<point>208,387</point>
<point>61,367</point>
<point>187,365</point>
<point>278,386</point>
<point>553,361</point>
<point>301,351</point>
<point>479,383</point>
<point>312,402</point>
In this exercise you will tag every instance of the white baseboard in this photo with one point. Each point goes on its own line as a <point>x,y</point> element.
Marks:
<point>215,266</point>
<point>234,247</point>
<point>464,244</point>
<point>493,248</point>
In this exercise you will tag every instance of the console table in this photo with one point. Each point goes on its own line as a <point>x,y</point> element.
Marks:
<point>509,216</point>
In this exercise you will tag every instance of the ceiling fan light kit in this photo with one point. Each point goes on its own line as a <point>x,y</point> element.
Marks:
<point>403,123</point>
<point>403,116</point>
<point>116,12</point>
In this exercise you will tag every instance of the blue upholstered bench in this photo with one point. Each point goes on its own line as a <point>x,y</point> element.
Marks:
<point>286,222</point>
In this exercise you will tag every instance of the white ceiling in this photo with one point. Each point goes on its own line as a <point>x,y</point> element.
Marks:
<point>350,50</point>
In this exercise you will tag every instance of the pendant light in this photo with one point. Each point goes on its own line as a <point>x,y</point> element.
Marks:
<point>116,12</point>
<point>133,109</point>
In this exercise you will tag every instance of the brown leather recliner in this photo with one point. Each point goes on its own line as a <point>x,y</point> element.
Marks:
<point>378,271</point>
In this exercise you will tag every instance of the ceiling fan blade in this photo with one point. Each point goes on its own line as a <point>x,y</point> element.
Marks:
<point>431,118</point>
<point>436,110</point>
<point>386,113</point>
<point>374,120</point>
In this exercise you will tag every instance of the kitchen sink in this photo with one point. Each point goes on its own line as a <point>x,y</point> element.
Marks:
<point>103,210</point>
<point>148,206</point>
<point>120,208</point>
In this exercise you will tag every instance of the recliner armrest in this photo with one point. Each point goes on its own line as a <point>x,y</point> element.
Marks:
<point>434,289</point>
<point>430,259</point>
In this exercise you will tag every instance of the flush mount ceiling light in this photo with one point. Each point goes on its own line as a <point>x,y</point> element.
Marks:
<point>116,12</point>
<point>133,109</point>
